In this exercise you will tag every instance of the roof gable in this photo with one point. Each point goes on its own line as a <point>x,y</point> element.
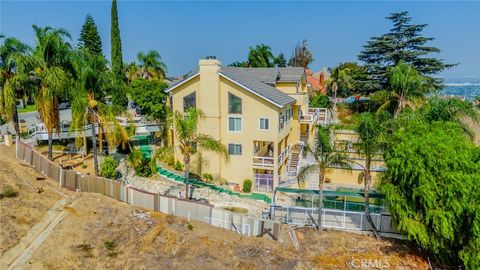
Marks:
<point>255,86</point>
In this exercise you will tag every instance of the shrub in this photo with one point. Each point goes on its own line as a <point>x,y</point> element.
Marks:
<point>178,166</point>
<point>144,169</point>
<point>207,177</point>
<point>247,185</point>
<point>165,155</point>
<point>219,180</point>
<point>8,192</point>
<point>108,167</point>
<point>110,244</point>
<point>319,101</point>
<point>153,166</point>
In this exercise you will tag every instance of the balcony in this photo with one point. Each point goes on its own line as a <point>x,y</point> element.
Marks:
<point>263,154</point>
<point>264,162</point>
<point>315,114</point>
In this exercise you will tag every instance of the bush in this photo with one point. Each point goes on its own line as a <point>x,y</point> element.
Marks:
<point>144,169</point>
<point>207,177</point>
<point>178,166</point>
<point>218,180</point>
<point>108,168</point>
<point>319,101</point>
<point>8,192</point>
<point>247,185</point>
<point>110,244</point>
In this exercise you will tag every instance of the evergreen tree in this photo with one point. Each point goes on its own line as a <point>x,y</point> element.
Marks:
<point>403,42</point>
<point>302,56</point>
<point>116,56</point>
<point>89,37</point>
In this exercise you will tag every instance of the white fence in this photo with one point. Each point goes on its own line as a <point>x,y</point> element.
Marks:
<point>337,219</point>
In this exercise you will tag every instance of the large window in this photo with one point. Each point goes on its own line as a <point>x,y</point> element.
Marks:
<point>235,149</point>
<point>234,104</point>
<point>234,124</point>
<point>189,101</point>
<point>264,124</point>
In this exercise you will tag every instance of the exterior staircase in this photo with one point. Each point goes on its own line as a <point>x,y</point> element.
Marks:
<point>294,161</point>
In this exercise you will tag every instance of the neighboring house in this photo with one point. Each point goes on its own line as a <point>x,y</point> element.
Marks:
<point>260,114</point>
<point>316,82</point>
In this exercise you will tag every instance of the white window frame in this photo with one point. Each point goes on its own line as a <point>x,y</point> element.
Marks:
<point>260,123</point>
<point>228,123</point>
<point>234,148</point>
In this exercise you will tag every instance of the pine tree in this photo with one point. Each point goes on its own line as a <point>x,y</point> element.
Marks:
<point>116,56</point>
<point>89,37</point>
<point>403,42</point>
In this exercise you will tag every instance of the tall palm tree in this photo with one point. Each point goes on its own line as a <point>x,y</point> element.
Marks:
<point>152,65</point>
<point>52,72</point>
<point>12,79</point>
<point>189,140</point>
<point>325,156</point>
<point>88,109</point>
<point>368,146</point>
<point>407,88</point>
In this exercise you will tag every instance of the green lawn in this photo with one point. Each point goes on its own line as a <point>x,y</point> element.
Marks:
<point>29,108</point>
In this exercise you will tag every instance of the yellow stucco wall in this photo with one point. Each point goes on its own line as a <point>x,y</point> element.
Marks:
<point>288,87</point>
<point>212,98</point>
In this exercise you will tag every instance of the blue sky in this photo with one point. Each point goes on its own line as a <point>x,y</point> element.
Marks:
<point>183,32</point>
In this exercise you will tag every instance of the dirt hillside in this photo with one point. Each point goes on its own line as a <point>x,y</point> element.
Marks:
<point>97,232</point>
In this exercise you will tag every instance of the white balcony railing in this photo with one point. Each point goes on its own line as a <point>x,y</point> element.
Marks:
<point>263,182</point>
<point>267,162</point>
<point>283,156</point>
<point>315,114</point>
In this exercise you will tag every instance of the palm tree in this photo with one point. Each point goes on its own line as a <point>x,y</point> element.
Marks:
<point>87,108</point>
<point>132,72</point>
<point>12,79</point>
<point>189,140</point>
<point>407,89</point>
<point>52,72</point>
<point>338,85</point>
<point>325,157</point>
<point>261,56</point>
<point>368,146</point>
<point>152,65</point>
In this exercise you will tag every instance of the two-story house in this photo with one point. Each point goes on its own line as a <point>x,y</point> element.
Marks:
<point>260,114</point>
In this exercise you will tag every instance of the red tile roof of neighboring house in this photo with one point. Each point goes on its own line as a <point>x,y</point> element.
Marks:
<point>317,84</point>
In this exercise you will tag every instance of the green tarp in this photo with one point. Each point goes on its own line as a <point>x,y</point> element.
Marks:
<point>194,182</point>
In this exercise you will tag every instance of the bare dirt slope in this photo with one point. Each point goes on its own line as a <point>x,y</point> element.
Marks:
<point>97,232</point>
<point>18,214</point>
